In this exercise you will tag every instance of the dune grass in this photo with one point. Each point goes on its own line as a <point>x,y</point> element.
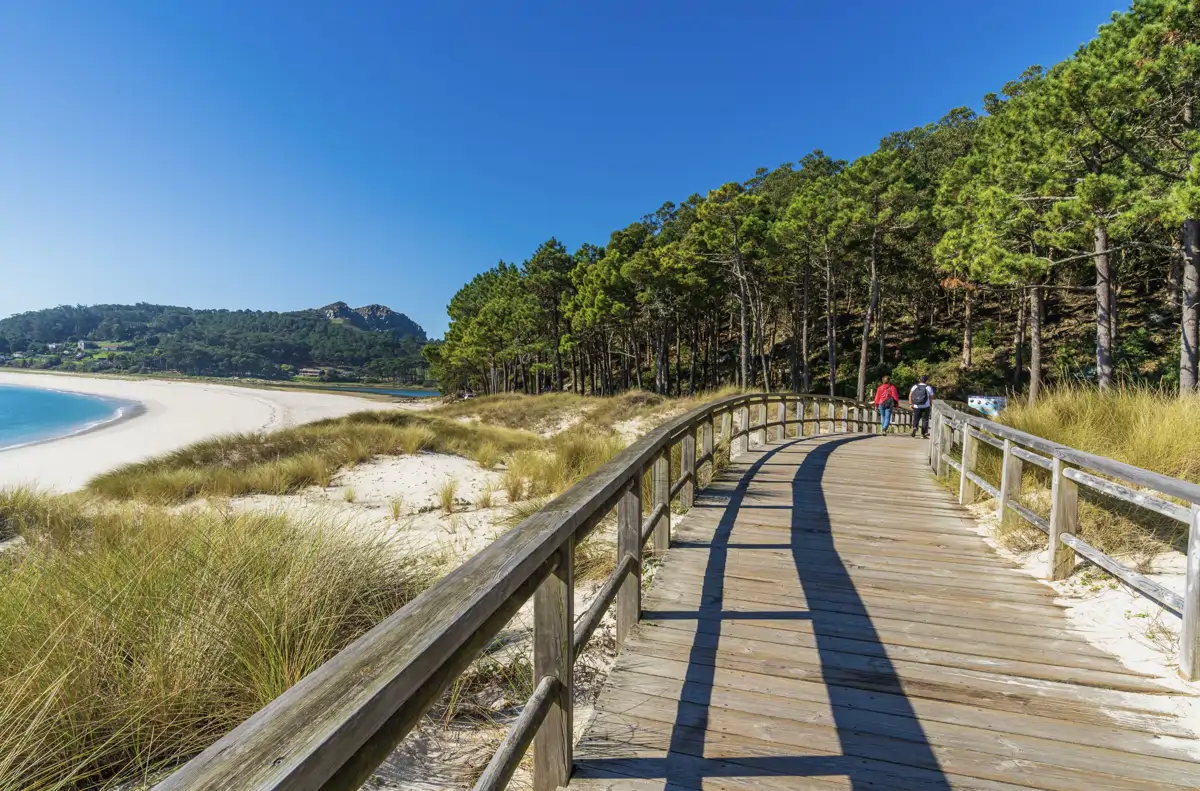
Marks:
<point>1148,428</point>
<point>281,462</point>
<point>131,637</point>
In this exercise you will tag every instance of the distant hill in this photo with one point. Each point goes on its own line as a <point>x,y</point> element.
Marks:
<point>375,318</point>
<point>335,342</point>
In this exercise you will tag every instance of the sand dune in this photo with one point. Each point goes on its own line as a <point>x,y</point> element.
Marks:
<point>175,414</point>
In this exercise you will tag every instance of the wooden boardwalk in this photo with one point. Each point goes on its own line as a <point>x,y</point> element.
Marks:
<point>827,618</point>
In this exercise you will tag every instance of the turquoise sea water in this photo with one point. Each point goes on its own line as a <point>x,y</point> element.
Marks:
<point>29,414</point>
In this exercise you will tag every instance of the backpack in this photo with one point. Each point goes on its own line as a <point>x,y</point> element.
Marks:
<point>889,402</point>
<point>920,395</point>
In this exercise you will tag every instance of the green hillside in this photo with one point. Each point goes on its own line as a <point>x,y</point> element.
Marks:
<point>144,338</point>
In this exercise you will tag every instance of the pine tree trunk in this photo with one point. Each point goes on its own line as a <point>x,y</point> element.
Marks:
<point>693,343</point>
<point>830,325</point>
<point>805,373</point>
<point>874,301</point>
<point>1035,343</point>
<point>1104,347</point>
<point>743,339</point>
<point>1189,376</point>
<point>794,346</point>
<point>558,366</point>
<point>967,328</point>
<point>1019,343</point>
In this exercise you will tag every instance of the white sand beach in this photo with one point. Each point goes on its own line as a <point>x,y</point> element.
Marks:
<point>175,414</point>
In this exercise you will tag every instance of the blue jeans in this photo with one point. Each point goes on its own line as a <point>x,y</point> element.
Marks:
<point>885,417</point>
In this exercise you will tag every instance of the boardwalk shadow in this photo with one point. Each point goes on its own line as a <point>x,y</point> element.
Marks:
<point>899,757</point>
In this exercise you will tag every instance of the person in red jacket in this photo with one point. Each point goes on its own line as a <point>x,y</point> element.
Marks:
<point>887,398</point>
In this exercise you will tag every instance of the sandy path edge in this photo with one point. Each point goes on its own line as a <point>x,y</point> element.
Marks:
<point>174,414</point>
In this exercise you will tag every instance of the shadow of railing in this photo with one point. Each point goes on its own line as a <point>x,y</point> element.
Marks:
<point>896,756</point>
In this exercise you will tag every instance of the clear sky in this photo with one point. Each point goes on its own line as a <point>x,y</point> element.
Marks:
<point>281,155</point>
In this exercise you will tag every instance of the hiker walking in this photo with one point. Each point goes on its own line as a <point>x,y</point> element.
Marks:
<point>887,398</point>
<point>920,398</point>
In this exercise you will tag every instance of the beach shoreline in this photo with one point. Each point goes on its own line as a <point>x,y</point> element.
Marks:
<point>163,415</point>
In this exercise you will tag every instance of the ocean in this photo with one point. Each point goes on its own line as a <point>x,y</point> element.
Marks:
<point>29,414</point>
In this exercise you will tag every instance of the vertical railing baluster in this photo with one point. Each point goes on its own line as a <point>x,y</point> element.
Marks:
<point>707,429</point>
<point>743,441</point>
<point>968,492</point>
<point>1011,471</point>
<point>727,429</point>
<point>800,417</point>
<point>629,542</point>
<point>553,633</point>
<point>781,418</point>
<point>687,467</point>
<point>1064,520</point>
<point>1189,634</point>
<point>661,480</point>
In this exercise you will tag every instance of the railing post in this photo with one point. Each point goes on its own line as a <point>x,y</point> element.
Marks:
<point>661,479</point>
<point>553,638</point>
<point>1189,634</point>
<point>687,467</point>
<point>968,492</point>
<point>946,445</point>
<point>629,542</point>
<point>760,434</point>
<point>781,417</point>
<point>743,441</point>
<point>832,425</point>
<point>799,417</point>
<point>707,429</point>
<point>727,428</point>
<point>845,419</point>
<point>1011,471</point>
<point>1064,520</point>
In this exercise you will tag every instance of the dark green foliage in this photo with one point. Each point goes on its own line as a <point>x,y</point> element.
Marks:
<point>156,338</point>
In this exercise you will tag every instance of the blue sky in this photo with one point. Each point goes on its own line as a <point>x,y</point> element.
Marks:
<point>279,155</point>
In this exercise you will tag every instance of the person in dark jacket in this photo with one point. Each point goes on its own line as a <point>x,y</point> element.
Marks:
<point>920,398</point>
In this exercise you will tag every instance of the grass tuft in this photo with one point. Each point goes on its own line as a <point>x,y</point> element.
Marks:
<point>447,494</point>
<point>135,636</point>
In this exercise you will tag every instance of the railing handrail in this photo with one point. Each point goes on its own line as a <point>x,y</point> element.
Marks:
<point>337,724</point>
<point>1064,517</point>
<point>1175,487</point>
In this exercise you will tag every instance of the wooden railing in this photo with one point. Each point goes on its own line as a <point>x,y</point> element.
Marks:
<point>1069,469</point>
<point>338,724</point>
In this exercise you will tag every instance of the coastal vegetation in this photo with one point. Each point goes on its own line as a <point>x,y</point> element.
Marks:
<point>492,430</point>
<point>1051,239</point>
<point>132,637</point>
<point>371,342</point>
<point>1147,427</point>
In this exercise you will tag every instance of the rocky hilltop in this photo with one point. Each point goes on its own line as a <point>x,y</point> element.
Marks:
<point>375,318</point>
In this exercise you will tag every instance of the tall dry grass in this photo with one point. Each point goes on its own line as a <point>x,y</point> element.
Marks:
<point>132,637</point>
<point>1148,428</point>
<point>281,462</point>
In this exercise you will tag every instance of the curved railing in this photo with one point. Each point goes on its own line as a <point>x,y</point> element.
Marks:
<point>338,724</point>
<point>1069,469</point>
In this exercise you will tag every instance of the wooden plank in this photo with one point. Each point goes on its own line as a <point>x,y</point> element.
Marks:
<point>911,616</point>
<point>1122,492</point>
<point>1147,587</point>
<point>1168,736</point>
<point>768,643</point>
<point>750,724</point>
